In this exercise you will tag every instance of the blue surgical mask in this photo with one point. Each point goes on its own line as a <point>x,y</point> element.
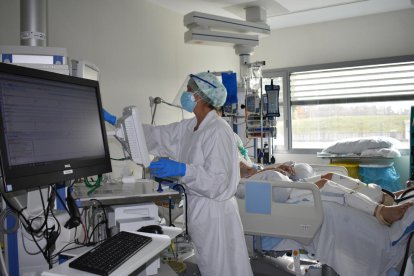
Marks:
<point>188,101</point>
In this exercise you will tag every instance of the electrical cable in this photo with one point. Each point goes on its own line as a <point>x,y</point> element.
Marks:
<point>169,211</point>
<point>47,232</point>
<point>85,235</point>
<point>3,264</point>
<point>24,245</point>
<point>18,212</point>
<point>105,215</point>
<point>31,231</point>
<point>93,231</point>
<point>186,206</point>
<point>3,216</point>
<point>93,187</point>
<point>87,226</point>
<point>27,224</point>
<point>120,159</point>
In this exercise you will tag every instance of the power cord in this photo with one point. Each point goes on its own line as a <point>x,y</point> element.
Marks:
<point>95,186</point>
<point>177,187</point>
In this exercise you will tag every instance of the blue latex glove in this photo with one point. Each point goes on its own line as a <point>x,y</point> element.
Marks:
<point>167,168</point>
<point>108,117</point>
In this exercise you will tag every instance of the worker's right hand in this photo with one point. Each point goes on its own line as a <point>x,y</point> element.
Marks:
<point>165,167</point>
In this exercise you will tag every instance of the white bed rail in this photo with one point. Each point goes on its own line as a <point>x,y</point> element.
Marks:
<point>284,220</point>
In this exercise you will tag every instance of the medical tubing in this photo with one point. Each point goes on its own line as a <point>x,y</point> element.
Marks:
<point>391,194</point>
<point>406,255</point>
<point>404,197</point>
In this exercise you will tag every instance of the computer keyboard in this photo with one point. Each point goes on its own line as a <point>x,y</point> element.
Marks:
<point>110,254</point>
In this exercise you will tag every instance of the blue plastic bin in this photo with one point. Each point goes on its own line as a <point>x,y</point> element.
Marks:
<point>383,175</point>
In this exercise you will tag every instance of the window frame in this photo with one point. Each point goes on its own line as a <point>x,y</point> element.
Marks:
<point>285,74</point>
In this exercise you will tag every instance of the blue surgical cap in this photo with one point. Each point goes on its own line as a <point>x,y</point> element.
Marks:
<point>210,88</point>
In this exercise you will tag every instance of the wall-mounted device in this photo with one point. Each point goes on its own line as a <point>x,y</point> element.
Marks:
<point>84,69</point>
<point>212,29</point>
<point>51,59</point>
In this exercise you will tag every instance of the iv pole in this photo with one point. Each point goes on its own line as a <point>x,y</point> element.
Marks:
<point>157,101</point>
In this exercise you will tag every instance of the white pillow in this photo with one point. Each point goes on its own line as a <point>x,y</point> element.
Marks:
<point>358,145</point>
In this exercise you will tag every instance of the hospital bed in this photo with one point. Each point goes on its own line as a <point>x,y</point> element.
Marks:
<point>317,227</point>
<point>296,222</point>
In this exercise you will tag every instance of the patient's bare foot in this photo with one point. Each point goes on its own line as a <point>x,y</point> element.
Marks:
<point>327,176</point>
<point>321,182</point>
<point>395,212</point>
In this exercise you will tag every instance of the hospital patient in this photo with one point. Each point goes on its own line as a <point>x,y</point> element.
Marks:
<point>344,190</point>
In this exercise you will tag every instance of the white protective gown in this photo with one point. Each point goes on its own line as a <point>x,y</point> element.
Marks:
<point>211,181</point>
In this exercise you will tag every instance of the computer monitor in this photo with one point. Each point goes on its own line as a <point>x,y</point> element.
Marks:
<point>131,133</point>
<point>52,128</point>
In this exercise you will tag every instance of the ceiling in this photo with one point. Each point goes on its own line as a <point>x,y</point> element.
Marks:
<point>288,13</point>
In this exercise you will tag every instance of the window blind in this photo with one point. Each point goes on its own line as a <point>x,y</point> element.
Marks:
<point>379,82</point>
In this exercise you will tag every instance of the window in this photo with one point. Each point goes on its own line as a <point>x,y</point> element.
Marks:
<point>326,103</point>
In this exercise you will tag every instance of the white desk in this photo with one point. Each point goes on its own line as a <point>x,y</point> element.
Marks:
<point>142,191</point>
<point>146,255</point>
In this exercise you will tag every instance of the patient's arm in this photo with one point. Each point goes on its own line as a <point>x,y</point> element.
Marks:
<point>246,170</point>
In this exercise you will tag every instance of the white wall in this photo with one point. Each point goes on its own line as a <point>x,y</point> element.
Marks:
<point>374,36</point>
<point>138,47</point>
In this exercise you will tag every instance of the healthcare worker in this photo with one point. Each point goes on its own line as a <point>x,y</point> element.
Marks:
<point>202,152</point>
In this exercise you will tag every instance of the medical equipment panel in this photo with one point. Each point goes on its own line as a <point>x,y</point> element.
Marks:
<point>133,217</point>
<point>131,133</point>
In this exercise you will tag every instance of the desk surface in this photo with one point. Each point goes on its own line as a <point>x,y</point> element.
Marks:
<point>143,190</point>
<point>145,255</point>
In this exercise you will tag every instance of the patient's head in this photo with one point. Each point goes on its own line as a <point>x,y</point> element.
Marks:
<point>302,171</point>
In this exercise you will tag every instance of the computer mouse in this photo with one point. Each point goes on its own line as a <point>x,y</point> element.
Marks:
<point>155,229</point>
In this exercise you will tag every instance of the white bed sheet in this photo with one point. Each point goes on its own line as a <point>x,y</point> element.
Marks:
<point>352,243</point>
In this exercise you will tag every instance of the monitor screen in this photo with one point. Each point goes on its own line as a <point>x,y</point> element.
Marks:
<point>52,128</point>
